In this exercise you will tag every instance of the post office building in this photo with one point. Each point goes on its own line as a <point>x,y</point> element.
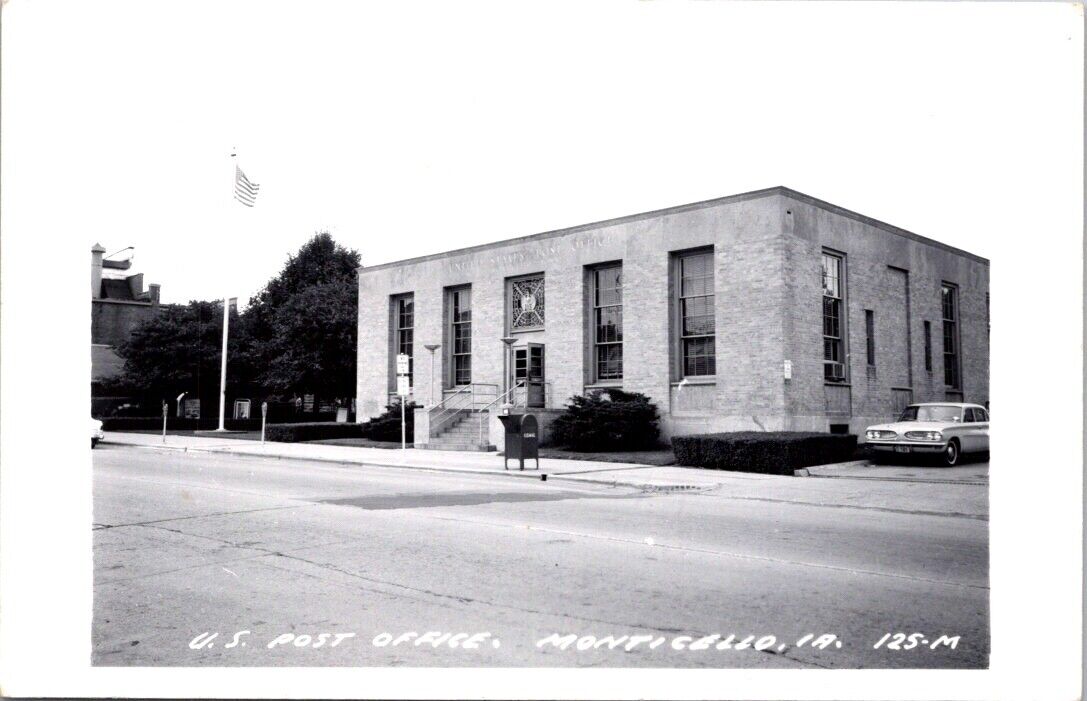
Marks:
<point>769,310</point>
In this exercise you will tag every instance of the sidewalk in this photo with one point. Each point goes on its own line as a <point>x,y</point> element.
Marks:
<point>969,472</point>
<point>442,460</point>
<point>962,500</point>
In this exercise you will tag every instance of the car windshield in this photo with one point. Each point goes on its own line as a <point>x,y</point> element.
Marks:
<point>931,413</point>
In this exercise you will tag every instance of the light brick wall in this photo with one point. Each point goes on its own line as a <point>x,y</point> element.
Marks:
<point>373,339</point>
<point>767,250</point>
<point>869,250</point>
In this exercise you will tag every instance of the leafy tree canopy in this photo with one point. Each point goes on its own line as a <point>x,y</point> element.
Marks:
<point>312,347</point>
<point>298,335</point>
<point>303,324</point>
<point>178,350</point>
<point>320,260</point>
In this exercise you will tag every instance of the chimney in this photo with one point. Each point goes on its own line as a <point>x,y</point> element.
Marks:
<point>96,270</point>
<point>153,290</point>
<point>135,285</point>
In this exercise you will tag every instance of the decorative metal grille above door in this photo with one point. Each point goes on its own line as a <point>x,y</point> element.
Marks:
<point>527,304</point>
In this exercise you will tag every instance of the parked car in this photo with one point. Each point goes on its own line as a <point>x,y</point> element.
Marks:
<point>97,433</point>
<point>945,430</point>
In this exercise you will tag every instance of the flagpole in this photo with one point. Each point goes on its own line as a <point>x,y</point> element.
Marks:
<point>226,324</point>
<point>245,192</point>
<point>222,370</point>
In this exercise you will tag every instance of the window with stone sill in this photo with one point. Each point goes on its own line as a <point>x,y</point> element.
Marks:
<point>697,325</point>
<point>833,322</point>
<point>949,303</point>
<point>608,323</point>
<point>460,333</point>
<point>404,330</point>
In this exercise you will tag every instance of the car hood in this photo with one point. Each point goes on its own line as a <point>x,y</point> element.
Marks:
<point>901,427</point>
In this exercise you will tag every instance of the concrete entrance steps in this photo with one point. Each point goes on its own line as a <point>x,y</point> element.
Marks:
<point>461,433</point>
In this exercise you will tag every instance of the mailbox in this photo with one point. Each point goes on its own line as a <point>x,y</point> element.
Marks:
<point>522,439</point>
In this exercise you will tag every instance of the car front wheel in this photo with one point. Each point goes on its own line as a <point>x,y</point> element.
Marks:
<point>950,455</point>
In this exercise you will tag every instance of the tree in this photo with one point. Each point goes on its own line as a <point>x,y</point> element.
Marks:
<point>297,336</point>
<point>312,346</point>
<point>179,350</point>
<point>303,324</point>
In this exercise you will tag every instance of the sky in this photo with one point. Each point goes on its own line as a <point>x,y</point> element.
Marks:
<point>413,128</point>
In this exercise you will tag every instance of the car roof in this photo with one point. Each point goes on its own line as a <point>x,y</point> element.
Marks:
<point>958,404</point>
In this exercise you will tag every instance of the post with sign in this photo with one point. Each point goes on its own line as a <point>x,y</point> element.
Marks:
<point>165,409</point>
<point>403,389</point>
<point>263,419</point>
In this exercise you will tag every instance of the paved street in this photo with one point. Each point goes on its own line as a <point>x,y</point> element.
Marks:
<point>188,543</point>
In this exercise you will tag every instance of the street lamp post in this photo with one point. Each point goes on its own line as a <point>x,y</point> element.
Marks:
<point>432,347</point>
<point>508,341</point>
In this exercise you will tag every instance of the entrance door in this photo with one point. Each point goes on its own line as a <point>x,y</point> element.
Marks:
<point>528,366</point>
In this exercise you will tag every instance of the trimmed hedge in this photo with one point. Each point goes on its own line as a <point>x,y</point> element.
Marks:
<point>607,420</point>
<point>154,423</point>
<point>774,453</point>
<point>316,431</point>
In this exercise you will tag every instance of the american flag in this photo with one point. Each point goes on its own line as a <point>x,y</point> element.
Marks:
<point>244,191</point>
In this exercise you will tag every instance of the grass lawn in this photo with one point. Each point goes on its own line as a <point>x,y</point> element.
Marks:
<point>236,435</point>
<point>658,457</point>
<point>362,443</point>
<point>255,436</point>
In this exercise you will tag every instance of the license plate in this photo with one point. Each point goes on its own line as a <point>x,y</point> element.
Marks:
<point>902,449</point>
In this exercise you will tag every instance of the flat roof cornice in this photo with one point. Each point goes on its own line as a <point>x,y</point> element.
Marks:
<point>890,228</point>
<point>754,194</point>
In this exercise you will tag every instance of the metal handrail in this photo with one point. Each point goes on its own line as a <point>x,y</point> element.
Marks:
<point>445,413</point>
<point>484,410</point>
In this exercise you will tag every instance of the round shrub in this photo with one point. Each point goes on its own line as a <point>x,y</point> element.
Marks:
<point>386,427</point>
<point>608,420</point>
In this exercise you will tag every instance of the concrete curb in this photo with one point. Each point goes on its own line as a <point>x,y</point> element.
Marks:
<point>331,461</point>
<point>839,465</point>
<point>540,475</point>
<point>808,472</point>
<point>918,480</point>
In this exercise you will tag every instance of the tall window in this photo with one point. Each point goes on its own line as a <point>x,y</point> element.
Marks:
<point>608,322</point>
<point>460,316</point>
<point>696,314</point>
<point>404,312</point>
<point>950,303</point>
<point>928,346</point>
<point>833,346</point>
<point>870,335</point>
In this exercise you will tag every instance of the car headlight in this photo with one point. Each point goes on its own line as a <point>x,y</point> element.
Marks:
<point>925,435</point>
<point>879,435</point>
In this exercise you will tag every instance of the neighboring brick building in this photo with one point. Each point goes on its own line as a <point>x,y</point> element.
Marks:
<point>118,304</point>
<point>769,310</point>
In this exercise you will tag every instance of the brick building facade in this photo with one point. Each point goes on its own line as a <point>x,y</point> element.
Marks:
<point>118,304</point>
<point>769,310</point>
